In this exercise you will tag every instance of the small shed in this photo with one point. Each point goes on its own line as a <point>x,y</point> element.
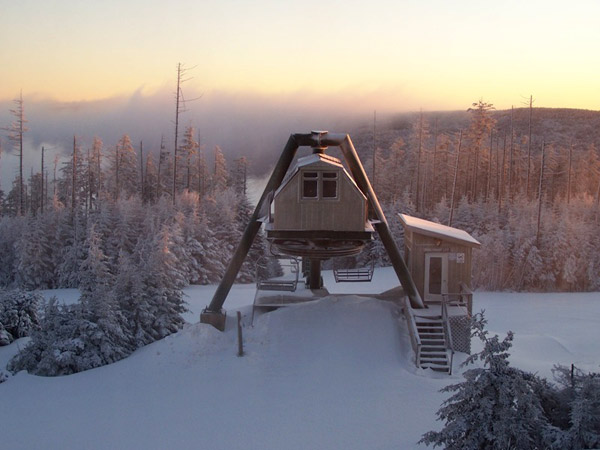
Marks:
<point>438,257</point>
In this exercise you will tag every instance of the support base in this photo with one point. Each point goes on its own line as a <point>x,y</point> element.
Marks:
<point>215,318</point>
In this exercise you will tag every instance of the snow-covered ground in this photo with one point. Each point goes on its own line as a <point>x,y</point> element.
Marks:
<point>336,373</point>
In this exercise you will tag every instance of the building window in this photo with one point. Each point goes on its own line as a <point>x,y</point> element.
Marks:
<point>309,185</point>
<point>329,184</point>
<point>319,185</point>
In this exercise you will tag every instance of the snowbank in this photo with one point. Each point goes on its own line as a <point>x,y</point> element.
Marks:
<point>335,373</point>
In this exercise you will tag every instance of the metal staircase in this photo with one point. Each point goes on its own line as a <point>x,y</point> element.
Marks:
<point>431,338</point>
<point>435,353</point>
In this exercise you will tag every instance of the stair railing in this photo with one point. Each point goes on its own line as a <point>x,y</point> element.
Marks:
<point>447,329</point>
<point>466,296</point>
<point>415,340</point>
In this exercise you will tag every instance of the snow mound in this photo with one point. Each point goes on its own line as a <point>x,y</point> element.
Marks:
<point>326,374</point>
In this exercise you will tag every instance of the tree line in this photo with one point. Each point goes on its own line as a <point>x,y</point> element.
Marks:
<point>525,182</point>
<point>527,189</point>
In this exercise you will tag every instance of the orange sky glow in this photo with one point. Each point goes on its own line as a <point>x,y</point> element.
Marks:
<point>383,54</point>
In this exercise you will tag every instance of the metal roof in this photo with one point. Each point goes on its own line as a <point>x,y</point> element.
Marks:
<point>437,230</point>
<point>313,159</point>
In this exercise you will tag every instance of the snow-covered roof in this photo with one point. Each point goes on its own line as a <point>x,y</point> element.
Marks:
<point>438,230</point>
<point>317,159</point>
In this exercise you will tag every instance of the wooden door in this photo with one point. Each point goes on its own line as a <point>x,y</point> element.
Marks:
<point>436,276</point>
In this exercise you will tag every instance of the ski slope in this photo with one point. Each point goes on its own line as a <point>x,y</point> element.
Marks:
<point>336,373</point>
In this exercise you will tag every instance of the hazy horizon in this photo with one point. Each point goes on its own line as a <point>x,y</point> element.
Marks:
<point>266,69</point>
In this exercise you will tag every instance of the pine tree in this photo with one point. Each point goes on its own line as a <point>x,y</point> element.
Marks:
<point>496,407</point>
<point>18,314</point>
<point>99,304</point>
<point>220,178</point>
<point>34,249</point>
<point>123,173</point>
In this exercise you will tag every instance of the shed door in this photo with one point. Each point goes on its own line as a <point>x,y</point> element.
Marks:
<point>436,276</point>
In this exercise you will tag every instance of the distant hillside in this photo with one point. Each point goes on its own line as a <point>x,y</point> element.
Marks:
<point>560,126</point>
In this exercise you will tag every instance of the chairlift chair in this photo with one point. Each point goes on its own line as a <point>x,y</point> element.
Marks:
<point>288,282</point>
<point>354,275</point>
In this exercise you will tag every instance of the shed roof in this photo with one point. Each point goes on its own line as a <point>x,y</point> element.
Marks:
<point>438,230</point>
<point>316,159</point>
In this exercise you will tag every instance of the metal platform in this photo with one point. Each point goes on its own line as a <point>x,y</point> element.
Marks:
<point>270,300</point>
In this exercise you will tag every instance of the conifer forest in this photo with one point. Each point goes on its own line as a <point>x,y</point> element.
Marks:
<point>524,182</point>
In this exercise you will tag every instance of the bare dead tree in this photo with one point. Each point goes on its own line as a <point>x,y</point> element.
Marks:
<point>42,183</point>
<point>419,161</point>
<point>54,177</point>
<point>510,159</point>
<point>16,130</point>
<point>74,175</point>
<point>180,104</point>
<point>529,147</point>
<point>540,195</point>
<point>569,174</point>
<point>161,157</point>
<point>374,145</point>
<point>501,189</point>
<point>452,202</point>
<point>142,169</point>
<point>117,161</point>
<point>489,171</point>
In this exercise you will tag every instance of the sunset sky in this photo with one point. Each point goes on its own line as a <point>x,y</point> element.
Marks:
<point>267,68</point>
<point>378,54</point>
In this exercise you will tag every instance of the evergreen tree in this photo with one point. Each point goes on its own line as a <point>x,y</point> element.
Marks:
<point>11,229</point>
<point>123,176</point>
<point>99,305</point>
<point>35,264</point>
<point>18,314</point>
<point>220,178</point>
<point>496,407</point>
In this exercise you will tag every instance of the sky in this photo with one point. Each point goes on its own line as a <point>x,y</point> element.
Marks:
<point>256,62</point>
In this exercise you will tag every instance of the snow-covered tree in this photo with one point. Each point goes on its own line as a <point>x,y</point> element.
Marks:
<point>123,175</point>
<point>496,407</point>
<point>34,249</point>
<point>11,229</point>
<point>220,178</point>
<point>18,314</point>
<point>149,289</point>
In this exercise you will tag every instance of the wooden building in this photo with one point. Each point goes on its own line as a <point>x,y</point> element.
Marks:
<point>319,195</point>
<point>319,211</point>
<point>438,257</point>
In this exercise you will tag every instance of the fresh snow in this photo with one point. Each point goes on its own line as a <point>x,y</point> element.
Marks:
<point>437,229</point>
<point>336,373</point>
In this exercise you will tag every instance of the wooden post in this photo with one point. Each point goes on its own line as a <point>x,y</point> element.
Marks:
<point>314,278</point>
<point>240,340</point>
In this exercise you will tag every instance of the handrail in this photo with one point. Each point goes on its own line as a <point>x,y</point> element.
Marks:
<point>415,339</point>
<point>467,297</point>
<point>448,329</point>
